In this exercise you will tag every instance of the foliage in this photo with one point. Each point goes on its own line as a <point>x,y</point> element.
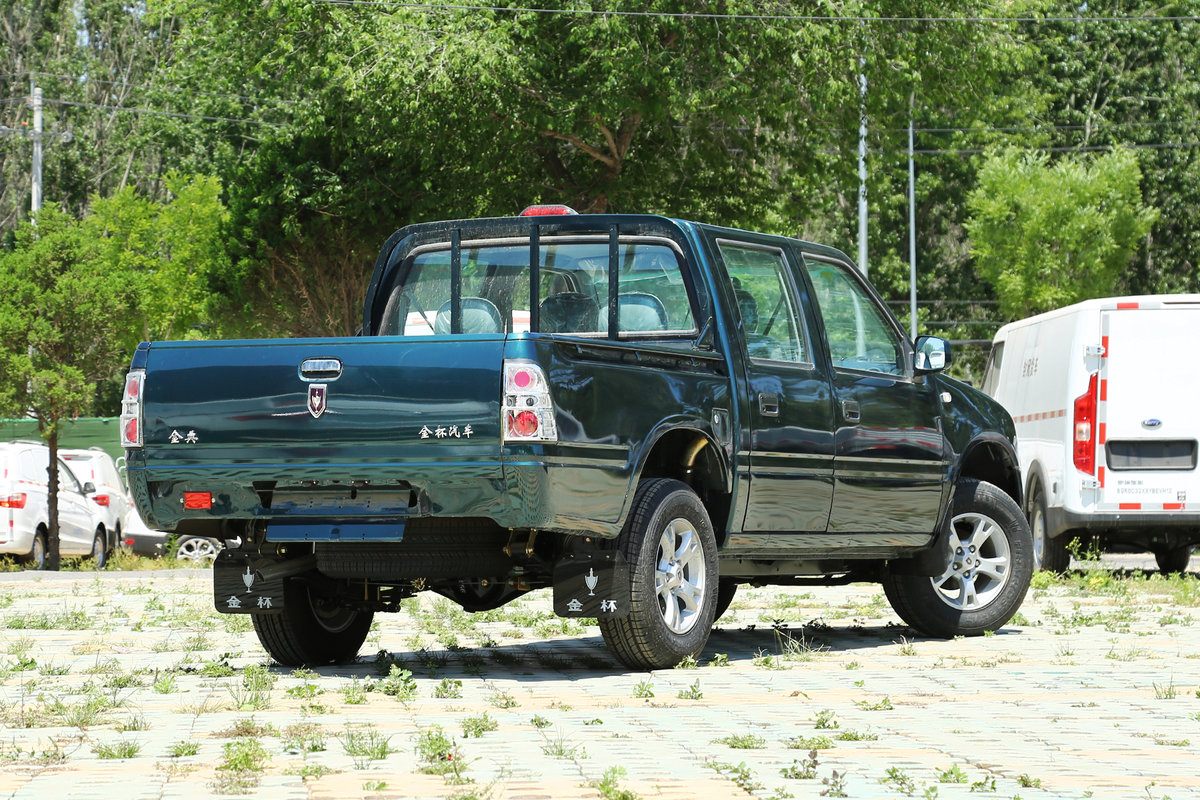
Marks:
<point>1050,234</point>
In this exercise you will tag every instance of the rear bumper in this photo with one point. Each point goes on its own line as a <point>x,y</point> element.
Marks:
<point>1175,528</point>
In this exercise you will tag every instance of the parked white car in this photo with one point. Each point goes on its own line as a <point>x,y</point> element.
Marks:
<point>110,496</point>
<point>25,508</point>
<point>1102,393</point>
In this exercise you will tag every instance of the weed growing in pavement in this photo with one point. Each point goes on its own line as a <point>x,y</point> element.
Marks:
<point>124,748</point>
<point>880,705</point>
<point>1027,782</point>
<point>899,780</point>
<point>314,771</point>
<point>137,722</point>
<point>303,737</point>
<point>439,755</point>
<point>803,649</point>
<point>242,764</point>
<point>835,785</point>
<point>802,769</point>
<point>477,725</point>
<point>539,722</point>
<point>183,748</point>
<point>365,744</point>
<point>825,720</point>
<point>740,774</point>
<point>399,684</point>
<point>1168,692</point>
<point>689,662</point>
<point>744,741</point>
<point>305,691</point>
<point>765,660</point>
<point>954,774</point>
<point>502,699</point>
<point>448,689</point>
<point>985,785</point>
<point>354,693</point>
<point>907,648</point>
<point>809,743</point>
<point>849,735</point>
<point>644,690</point>
<point>609,785</point>
<point>719,660</point>
<point>559,747</point>
<point>247,728</point>
<point>692,692</point>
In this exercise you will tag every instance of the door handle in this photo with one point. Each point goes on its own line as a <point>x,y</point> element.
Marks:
<point>851,411</point>
<point>768,404</point>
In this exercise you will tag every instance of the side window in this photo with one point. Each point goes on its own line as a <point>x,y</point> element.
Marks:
<point>859,332</point>
<point>766,302</point>
<point>66,481</point>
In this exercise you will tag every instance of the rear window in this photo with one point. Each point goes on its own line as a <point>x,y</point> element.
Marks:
<point>573,292</point>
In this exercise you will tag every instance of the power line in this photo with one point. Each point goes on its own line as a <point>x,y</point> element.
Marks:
<point>177,89</point>
<point>156,112</point>
<point>1082,149</point>
<point>746,17</point>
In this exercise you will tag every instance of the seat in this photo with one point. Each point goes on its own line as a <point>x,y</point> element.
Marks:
<point>568,312</point>
<point>640,311</point>
<point>478,316</point>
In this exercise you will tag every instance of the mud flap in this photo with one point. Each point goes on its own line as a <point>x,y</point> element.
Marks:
<point>239,588</point>
<point>592,584</point>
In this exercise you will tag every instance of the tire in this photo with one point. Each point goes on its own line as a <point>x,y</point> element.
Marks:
<point>1173,561</point>
<point>99,553</point>
<point>671,551</point>
<point>987,572</point>
<point>36,558</point>
<point>1049,553</point>
<point>726,589</point>
<point>197,549</point>
<point>311,632</point>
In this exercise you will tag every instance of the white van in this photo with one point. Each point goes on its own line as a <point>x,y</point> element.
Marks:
<point>98,468</point>
<point>25,508</point>
<point>1102,393</point>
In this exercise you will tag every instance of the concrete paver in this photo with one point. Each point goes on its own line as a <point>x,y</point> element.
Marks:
<point>1094,693</point>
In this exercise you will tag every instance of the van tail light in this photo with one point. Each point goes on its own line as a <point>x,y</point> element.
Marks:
<point>16,500</point>
<point>101,499</point>
<point>131,409</point>
<point>527,408</point>
<point>1085,428</point>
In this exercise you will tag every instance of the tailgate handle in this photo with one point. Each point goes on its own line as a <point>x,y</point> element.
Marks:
<point>320,369</point>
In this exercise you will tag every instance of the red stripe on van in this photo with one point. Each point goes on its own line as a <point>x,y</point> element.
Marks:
<point>1128,306</point>
<point>1173,506</point>
<point>1130,506</point>
<point>1100,476</point>
<point>1103,435</point>
<point>1104,390</point>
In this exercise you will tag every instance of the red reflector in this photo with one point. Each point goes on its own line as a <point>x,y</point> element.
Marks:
<point>522,379</point>
<point>131,430</point>
<point>101,499</point>
<point>197,500</point>
<point>13,501</point>
<point>524,424</point>
<point>129,542</point>
<point>548,211</point>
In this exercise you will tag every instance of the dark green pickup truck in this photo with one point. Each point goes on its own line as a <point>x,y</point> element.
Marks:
<point>639,412</point>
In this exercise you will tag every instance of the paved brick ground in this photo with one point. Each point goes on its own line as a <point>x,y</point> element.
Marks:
<point>1093,694</point>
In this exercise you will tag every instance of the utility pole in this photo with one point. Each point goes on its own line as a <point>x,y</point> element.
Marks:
<point>37,136</point>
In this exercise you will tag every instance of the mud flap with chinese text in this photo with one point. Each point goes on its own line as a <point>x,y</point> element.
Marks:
<point>238,588</point>
<point>592,584</point>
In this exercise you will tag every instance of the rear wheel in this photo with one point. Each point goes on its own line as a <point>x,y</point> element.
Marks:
<point>36,558</point>
<point>1175,560</point>
<point>197,549</point>
<point>1048,553</point>
<point>312,630</point>
<point>669,545</point>
<point>99,552</point>
<point>989,564</point>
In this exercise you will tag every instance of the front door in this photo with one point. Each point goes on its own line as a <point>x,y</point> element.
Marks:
<point>891,465</point>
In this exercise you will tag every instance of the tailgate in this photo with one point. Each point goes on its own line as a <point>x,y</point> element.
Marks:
<point>303,410</point>
<point>1148,425</point>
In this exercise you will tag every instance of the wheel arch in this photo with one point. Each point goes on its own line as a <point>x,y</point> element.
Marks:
<point>692,456</point>
<point>993,460</point>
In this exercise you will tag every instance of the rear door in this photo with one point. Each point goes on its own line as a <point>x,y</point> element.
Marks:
<point>1148,425</point>
<point>790,400</point>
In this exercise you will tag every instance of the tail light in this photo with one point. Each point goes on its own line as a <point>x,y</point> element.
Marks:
<point>100,499</point>
<point>528,410</point>
<point>16,500</point>
<point>548,211</point>
<point>195,501</point>
<point>131,409</point>
<point>1085,428</point>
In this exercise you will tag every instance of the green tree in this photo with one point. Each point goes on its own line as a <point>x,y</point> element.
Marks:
<point>61,324</point>
<point>1049,234</point>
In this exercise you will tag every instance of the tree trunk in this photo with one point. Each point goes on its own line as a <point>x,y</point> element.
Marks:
<point>53,557</point>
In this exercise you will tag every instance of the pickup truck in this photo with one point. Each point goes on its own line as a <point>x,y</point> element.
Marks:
<point>640,413</point>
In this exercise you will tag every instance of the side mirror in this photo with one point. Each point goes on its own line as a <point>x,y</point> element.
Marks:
<point>89,488</point>
<point>932,354</point>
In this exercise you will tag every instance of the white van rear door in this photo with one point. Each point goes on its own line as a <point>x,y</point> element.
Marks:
<point>1148,425</point>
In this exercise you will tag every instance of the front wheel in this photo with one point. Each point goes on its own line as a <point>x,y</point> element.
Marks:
<point>312,630</point>
<point>99,554</point>
<point>989,564</point>
<point>669,545</point>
